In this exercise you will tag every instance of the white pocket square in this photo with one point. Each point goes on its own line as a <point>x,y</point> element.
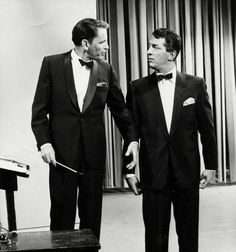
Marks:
<point>189,101</point>
<point>101,84</point>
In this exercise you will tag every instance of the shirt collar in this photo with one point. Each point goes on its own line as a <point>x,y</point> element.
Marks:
<point>74,56</point>
<point>173,71</point>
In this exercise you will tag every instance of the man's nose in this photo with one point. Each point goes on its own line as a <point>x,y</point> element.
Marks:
<point>106,47</point>
<point>149,51</point>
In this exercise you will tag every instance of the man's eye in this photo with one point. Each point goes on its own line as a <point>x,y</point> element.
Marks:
<point>153,46</point>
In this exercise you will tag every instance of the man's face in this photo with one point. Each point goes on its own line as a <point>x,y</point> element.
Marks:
<point>98,47</point>
<point>157,54</point>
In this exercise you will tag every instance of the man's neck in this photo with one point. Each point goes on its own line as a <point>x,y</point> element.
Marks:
<point>81,53</point>
<point>166,69</point>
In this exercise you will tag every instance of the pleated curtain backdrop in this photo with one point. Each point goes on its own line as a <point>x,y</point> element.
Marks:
<point>208,31</point>
<point>113,176</point>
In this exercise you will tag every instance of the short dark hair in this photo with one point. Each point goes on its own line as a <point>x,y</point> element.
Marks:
<point>172,40</point>
<point>87,29</point>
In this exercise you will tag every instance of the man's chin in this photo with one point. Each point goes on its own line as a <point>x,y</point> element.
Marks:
<point>151,65</point>
<point>102,57</point>
<point>98,58</point>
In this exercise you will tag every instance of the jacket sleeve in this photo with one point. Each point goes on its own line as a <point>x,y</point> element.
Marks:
<point>206,128</point>
<point>131,105</point>
<point>122,116</point>
<point>40,107</point>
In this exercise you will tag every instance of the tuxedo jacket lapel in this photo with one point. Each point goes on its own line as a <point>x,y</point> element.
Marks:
<point>157,105</point>
<point>69,79</point>
<point>91,86</point>
<point>70,84</point>
<point>178,101</point>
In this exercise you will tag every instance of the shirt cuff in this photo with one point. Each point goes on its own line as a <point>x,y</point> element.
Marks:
<point>44,145</point>
<point>213,171</point>
<point>135,142</point>
<point>128,175</point>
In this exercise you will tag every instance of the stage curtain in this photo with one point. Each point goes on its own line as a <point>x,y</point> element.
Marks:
<point>208,31</point>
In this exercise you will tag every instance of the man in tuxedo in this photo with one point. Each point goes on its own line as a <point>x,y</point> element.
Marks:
<point>68,123</point>
<point>169,110</point>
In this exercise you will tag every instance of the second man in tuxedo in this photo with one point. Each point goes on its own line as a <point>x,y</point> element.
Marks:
<point>170,109</point>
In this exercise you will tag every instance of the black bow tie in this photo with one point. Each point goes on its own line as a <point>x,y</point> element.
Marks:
<point>164,76</point>
<point>88,64</point>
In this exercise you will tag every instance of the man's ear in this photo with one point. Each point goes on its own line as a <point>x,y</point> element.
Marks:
<point>172,55</point>
<point>84,44</point>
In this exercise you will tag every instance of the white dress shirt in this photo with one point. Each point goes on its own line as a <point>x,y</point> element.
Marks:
<point>167,92</point>
<point>81,78</point>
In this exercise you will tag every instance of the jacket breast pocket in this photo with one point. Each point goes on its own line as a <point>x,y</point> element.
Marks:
<point>189,109</point>
<point>188,116</point>
<point>101,94</point>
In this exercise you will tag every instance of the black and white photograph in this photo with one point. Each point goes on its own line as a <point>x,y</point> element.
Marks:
<point>118,125</point>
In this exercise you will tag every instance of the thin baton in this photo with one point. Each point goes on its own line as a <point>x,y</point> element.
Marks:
<point>56,161</point>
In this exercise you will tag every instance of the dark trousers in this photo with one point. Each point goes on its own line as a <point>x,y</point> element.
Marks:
<point>68,190</point>
<point>157,213</point>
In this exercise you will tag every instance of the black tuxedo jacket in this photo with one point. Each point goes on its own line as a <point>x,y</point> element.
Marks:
<point>57,119</point>
<point>158,148</point>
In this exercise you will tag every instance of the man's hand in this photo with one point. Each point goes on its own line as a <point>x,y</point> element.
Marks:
<point>205,178</point>
<point>48,154</point>
<point>134,185</point>
<point>132,150</point>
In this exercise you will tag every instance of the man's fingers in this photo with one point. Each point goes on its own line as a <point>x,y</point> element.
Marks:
<point>133,188</point>
<point>206,178</point>
<point>127,153</point>
<point>49,158</point>
<point>133,162</point>
<point>137,189</point>
<point>131,165</point>
<point>45,158</point>
<point>203,184</point>
<point>132,152</point>
<point>53,161</point>
<point>134,185</point>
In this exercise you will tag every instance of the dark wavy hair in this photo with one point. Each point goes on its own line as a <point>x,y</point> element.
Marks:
<point>172,40</point>
<point>87,29</point>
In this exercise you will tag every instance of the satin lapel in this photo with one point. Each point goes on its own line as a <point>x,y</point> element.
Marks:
<point>91,86</point>
<point>178,101</point>
<point>69,79</point>
<point>157,105</point>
